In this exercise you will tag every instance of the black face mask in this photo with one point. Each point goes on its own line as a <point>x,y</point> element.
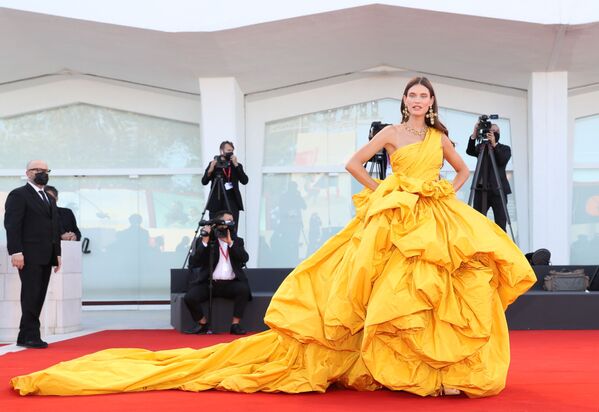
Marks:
<point>41,178</point>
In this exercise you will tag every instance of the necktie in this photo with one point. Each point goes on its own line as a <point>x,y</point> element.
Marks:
<point>41,192</point>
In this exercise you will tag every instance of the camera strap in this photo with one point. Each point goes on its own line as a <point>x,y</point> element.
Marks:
<point>227,173</point>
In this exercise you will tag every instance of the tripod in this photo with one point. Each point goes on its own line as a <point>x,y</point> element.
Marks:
<point>378,165</point>
<point>378,162</point>
<point>486,147</point>
<point>218,189</point>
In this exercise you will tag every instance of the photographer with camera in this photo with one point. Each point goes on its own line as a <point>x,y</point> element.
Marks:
<point>219,256</point>
<point>487,192</point>
<point>227,169</point>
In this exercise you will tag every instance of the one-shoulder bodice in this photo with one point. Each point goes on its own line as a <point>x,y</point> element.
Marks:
<point>416,174</point>
<point>421,160</point>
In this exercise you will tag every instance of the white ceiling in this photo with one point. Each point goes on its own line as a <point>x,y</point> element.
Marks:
<point>193,15</point>
<point>303,49</point>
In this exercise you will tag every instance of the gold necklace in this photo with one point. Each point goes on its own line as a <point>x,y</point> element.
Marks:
<point>419,133</point>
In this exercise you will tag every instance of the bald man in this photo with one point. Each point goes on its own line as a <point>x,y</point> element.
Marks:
<point>33,241</point>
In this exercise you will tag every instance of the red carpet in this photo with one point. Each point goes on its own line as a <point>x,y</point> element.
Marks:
<point>550,371</point>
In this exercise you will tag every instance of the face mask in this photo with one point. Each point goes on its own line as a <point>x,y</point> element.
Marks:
<point>496,136</point>
<point>41,178</point>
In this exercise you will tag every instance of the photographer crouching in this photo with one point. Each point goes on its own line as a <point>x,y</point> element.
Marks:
<point>221,254</point>
<point>487,192</point>
<point>225,173</point>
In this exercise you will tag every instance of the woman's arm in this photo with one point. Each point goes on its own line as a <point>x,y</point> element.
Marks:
<point>456,161</point>
<point>355,165</point>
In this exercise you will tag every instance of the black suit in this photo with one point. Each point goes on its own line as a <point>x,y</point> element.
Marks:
<point>32,228</point>
<point>68,223</point>
<point>487,183</point>
<point>216,203</point>
<point>237,289</point>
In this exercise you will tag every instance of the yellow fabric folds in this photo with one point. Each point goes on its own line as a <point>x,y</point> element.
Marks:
<point>410,295</point>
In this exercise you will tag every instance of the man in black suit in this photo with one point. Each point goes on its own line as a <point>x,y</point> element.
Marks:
<point>227,166</point>
<point>33,240</point>
<point>228,278</point>
<point>68,223</point>
<point>486,194</point>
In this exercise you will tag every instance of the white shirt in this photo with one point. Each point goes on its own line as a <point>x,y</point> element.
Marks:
<point>37,190</point>
<point>223,269</point>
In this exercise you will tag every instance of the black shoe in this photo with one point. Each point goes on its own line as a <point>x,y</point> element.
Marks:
<point>198,329</point>
<point>236,329</point>
<point>33,344</point>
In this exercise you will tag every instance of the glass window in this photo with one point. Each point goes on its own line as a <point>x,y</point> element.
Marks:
<point>324,138</point>
<point>138,226</point>
<point>301,210</point>
<point>584,231</point>
<point>83,136</point>
<point>586,140</point>
<point>138,230</point>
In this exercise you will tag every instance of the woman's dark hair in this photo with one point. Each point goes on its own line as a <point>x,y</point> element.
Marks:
<point>226,142</point>
<point>426,83</point>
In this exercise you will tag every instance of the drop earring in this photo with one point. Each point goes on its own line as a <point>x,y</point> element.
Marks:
<point>431,115</point>
<point>406,113</point>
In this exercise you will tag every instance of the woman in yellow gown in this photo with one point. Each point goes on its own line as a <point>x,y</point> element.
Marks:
<point>410,296</point>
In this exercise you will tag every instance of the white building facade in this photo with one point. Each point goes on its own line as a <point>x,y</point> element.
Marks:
<point>129,118</point>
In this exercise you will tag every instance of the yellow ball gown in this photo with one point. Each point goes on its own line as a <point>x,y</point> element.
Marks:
<point>410,296</point>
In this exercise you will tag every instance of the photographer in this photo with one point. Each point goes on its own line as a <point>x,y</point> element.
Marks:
<point>487,193</point>
<point>229,280</point>
<point>231,171</point>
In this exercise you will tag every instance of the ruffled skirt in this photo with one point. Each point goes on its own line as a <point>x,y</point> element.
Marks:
<point>410,296</point>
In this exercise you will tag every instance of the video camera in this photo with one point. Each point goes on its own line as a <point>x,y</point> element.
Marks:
<point>376,127</point>
<point>484,127</point>
<point>223,161</point>
<point>219,227</point>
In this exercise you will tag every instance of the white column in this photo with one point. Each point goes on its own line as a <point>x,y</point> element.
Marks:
<point>549,213</point>
<point>223,118</point>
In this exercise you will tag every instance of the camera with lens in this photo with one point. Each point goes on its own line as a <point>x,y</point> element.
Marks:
<point>484,127</point>
<point>376,127</point>
<point>219,228</point>
<point>223,161</point>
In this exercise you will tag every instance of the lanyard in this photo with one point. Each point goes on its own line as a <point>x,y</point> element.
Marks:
<point>227,173</point>
<point>224,253</point>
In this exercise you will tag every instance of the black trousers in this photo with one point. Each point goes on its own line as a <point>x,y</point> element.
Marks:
<point>493,202</point>
<point>236,290</point>
<point>34,285</point>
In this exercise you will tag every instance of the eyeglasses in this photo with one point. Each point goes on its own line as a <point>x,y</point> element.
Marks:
<point>37,170</point>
